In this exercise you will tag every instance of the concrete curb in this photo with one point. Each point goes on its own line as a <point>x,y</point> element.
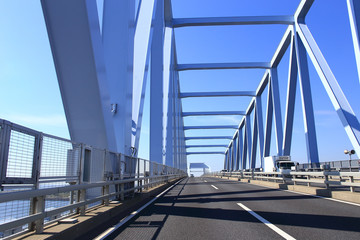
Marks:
<point>348,196</point>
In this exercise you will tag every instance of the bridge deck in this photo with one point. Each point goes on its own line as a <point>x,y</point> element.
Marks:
<point>210,208</point>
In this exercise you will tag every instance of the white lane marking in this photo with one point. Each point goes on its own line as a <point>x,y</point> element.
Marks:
<point>267,223</point>
<point>205,181</point>
<point>105,234</point>
<point>214,187</point>
<point>308,194</point>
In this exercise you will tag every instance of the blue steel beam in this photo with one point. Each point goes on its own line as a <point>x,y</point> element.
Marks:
<point>205,146</point>
<point>211,127</point>
<point>210,66</point>
<point>218,94</point>
<point>302,10</point>
<point>207,137</point>
<point>306,99</point>
<point>354,15</point>
<point>142,44</point>
<point>117,37</point>
<point>74,34</point>
<point>189,114</point>
<point>277,109</point>
<point>337,97</point>
<point>290,100</point>
<point>190,153</point>
<point>223,21</point>
<point>156,86</point>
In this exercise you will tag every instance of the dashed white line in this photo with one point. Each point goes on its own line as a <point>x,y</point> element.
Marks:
<point>214,187</point>
<point>267,223</point>
<point>205,181</point>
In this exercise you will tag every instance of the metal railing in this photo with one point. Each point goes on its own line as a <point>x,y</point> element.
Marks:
<point>325,178</point>
<point>44,177</point>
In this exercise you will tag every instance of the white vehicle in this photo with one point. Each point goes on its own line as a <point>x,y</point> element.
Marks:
<point>282,164</point>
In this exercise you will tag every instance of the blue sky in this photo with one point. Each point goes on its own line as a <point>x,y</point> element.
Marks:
<point>29,93</point>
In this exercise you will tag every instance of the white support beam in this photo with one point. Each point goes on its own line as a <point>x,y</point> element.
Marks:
<point>224,21</point>
<point>207,137</point>
<point>210,127</point>
<point>354,16</point>
<point>336,95</point>
<point>204,146</point>
<point>189,114</point>
<point>190,153</point>
<point>156,85</point>
<point>74,34</point>
<point>118,43</point>
<point>211,66</point>
<point>142,44</point>
<point>218,94</point>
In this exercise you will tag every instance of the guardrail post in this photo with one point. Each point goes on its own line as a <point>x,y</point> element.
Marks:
<point>38,206</point>
<point>351,180</point>
<point>122,189</point>
<point>308,178</point>
<point>326,180</point>
<point>82,198</point>
<point>105,191</point>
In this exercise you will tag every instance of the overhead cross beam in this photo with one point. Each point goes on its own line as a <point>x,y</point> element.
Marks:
<point>218,94</point>
<point>211,66</point>
<point>207,137</point>
<point>204,146</point>
<point>224,21</point>
<point>210,127</point>
<point>188,114</point>
<point>190,153</point>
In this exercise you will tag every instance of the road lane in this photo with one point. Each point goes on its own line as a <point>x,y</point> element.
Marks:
<point>302,216</point>
<point>170,218</point>
<point>195,209</point>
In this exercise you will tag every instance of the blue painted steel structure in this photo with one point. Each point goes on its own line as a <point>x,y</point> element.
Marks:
<point>109,71</point>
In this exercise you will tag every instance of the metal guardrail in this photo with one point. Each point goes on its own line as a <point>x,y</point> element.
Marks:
<point>45,177</point>
<point>326,177</point>
<point>36,219</point>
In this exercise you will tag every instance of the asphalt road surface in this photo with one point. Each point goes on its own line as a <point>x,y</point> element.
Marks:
<point>211,208</point>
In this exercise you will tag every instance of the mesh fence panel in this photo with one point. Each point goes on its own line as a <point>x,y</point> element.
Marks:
<point>21,155</point>
<point>59,158</point>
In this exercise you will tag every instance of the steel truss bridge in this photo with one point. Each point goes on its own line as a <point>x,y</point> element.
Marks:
<point>113,65</point>
<point>102,75</point>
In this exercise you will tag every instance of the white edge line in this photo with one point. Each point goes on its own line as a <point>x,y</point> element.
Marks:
<point>267,223</point>
<point>214,187</point>
<point>107,233</point>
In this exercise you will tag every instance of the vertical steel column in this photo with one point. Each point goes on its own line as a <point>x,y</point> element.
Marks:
<point>168,96</point>
<point>233,165</point>
<point>118,41</point>
<point>269,118</point>
<point>230,158</point>
<point>245,149</point>
<point>260,127</point>
<point>306,97</point>
<point>254,141</point>
<point>354,15</point>
<point>156,85</point>
<point>240,150</point>
<point>290,100</point>
<point>277,109</point>
<point>225,159</point>
<point>248,137</point>
<point>74,34</point>
<point>142,46</point>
